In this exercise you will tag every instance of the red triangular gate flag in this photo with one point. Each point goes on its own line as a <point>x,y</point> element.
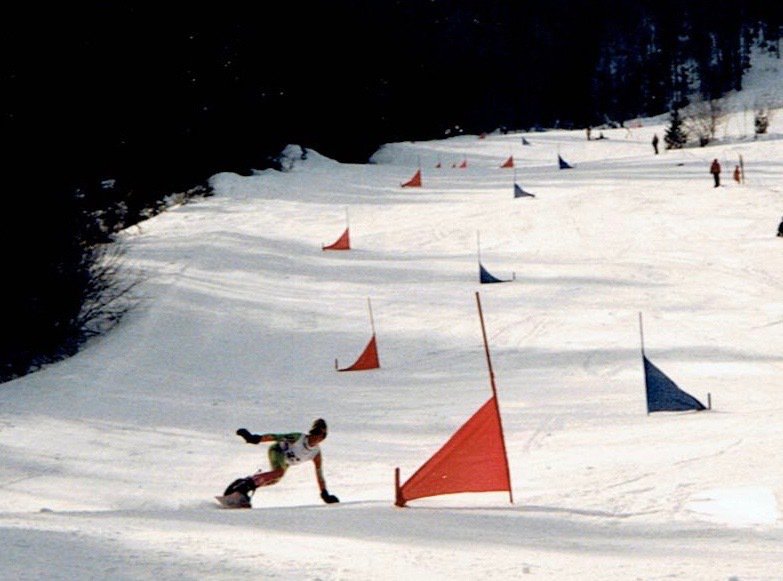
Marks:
<point>464,164</point>
<point>414,182</point>
<point>342,243</point>
<point>367,360</point>
<point>473,460</point>
<point>509,162</point>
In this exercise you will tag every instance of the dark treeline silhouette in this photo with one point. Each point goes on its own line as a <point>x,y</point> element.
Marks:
<point>158,100</point>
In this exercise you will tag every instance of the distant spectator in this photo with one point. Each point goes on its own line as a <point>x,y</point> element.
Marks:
<point>715,171</point>
<point>588,130</point>
<point>655,143</point>
<point>737,174</point>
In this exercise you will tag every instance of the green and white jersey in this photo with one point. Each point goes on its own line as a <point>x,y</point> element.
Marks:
<point>295,448</point>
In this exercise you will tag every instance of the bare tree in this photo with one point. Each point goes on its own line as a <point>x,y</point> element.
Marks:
<point>108,291</point>
<point>703,118</point>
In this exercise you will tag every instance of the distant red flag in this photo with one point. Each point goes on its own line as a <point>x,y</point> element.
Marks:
<point>368,359</point>
<point>414,182</point>
<point>509,162</point>
<point>342,243</point>
<point>464,164</point>
<point>473,460</point>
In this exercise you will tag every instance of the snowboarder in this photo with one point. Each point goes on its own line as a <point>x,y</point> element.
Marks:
<point>288,449</point>
<point>715,171</point>
<point>655,143</point>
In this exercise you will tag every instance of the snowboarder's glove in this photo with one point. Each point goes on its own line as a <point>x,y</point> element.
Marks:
<point>249,438</point>
<point>328,498</point>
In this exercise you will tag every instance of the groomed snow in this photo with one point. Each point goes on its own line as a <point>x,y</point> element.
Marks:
<point>109,460</point>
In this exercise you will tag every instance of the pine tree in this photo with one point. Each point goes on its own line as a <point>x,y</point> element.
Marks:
<point>675,136</point>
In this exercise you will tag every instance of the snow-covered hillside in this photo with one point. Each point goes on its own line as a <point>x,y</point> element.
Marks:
<point>109,460</point>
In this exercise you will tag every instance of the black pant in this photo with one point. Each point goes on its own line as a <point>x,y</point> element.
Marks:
<point>717,179</point>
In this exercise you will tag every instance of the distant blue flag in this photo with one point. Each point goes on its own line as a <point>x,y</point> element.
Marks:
<point>525,141</point>
<point>663,395</point>
<point>485,277</point>
<point>520,193</point>
<point>562,163</point>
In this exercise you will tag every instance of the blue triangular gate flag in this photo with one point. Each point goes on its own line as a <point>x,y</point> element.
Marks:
<point>485,277</point>
<point>562,163</point>
<point>520,193</point>
<point>663,395</point>
<point>525,141</point>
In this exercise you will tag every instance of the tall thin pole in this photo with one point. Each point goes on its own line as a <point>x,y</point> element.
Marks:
<point>478,245</point>
<point>347,223</point>
<point>742,169</point>
<point>644,370</point>
<point>372,321</point>
<point>495,397</point>
<point>486,349</point>
<point>641,331</point>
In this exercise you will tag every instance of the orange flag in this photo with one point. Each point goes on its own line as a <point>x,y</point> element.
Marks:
<point>509,162</point>
<point>414,182</point>
<point>342,243</point>
<point>367,360</point>
<point>473,460</point>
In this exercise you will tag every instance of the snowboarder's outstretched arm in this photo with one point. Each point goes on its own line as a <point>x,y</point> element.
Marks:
<point>325,496</point>
<point>258,438</point>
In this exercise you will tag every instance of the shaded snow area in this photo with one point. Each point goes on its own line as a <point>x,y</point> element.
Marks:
<point>109,461</point>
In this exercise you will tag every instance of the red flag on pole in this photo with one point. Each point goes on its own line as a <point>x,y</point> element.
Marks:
<point>509,162</point>
<point>473,460</point>
<point>342,243</point>
<point>414,182</point>
<point>368,359</point>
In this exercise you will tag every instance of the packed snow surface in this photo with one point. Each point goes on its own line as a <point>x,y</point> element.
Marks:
<point>109,461</point>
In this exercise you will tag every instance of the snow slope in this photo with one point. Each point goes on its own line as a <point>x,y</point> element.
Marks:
<point>109,460</point>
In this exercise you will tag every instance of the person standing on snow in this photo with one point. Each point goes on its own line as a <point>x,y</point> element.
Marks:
<point>288,449</point>
<point>715,171</point>
<point>655,143</point>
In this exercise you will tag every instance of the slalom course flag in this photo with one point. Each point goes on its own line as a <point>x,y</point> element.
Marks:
<point>663,395</point>
<point>369,357</point>
<point>474,459</point>
<point>508,163</point>
<point>414,182</point>
<point>464,164</point>
<point>562,164</point>
<point>344,241</point>
<point>525,141</point>
<point>520,193</point>
<point>484,276</point>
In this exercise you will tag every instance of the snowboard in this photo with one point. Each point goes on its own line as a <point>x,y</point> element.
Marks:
<point>234,500</point>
